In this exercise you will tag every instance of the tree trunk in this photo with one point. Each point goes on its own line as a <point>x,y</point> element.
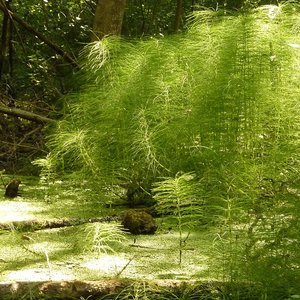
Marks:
<point>178,15</point>
<point>3,51</point>
<point>108,18</point>
<point>6,43</point>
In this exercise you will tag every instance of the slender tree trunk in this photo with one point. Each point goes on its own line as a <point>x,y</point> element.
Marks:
<point>178,15</point>
<point>10,47</point>
<point>6,36</point>
<point>3,51</point>
<point>108,18</point>
<point>153,21</point>
<point>143,17</point>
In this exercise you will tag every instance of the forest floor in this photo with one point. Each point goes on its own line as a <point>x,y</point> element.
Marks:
<point>29,251</point>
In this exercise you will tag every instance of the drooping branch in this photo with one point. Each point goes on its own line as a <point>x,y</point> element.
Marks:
<point>16,112</point>
<point>39,35</point>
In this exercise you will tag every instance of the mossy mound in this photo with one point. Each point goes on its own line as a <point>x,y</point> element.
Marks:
<point>139,222</point>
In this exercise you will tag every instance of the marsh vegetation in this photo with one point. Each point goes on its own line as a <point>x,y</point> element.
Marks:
<point>200,127</point>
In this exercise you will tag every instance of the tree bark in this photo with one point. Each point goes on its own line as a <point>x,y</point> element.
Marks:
<point>3,51</point>
<point>178,15</point>
<point>16,112</point>
<point>108,18</point>
<point>30,29</point>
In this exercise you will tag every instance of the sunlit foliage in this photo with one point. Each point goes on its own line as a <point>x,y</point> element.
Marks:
<point>220,101</point>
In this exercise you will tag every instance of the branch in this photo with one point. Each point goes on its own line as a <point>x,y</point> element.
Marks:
<point>16,112</point>
<point>30,29</point>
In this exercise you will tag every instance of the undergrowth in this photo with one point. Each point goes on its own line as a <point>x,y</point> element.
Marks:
<point>220,101</point>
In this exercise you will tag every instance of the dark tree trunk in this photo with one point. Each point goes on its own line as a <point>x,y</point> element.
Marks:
<point>4,34</point>
<point>143,17</point>
<point>153,18</point>
<point>178,15</point>
<point>10,46</point>
<point>108,18</point>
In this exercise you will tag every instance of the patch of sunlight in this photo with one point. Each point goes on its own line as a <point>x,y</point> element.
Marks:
<point>107,264</point>
<point>265,27</point>
<point>185,271</point>
<point>17,211</point>
<point>48,248</point>
<point>294,45</point>
<point>38,275</point>
<point>273,11</point>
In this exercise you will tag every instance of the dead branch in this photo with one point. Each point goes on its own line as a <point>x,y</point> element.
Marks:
<point>39,35</point>
<point>16,112</point>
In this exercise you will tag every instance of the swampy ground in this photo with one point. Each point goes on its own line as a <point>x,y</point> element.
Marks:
<point>31,250</point>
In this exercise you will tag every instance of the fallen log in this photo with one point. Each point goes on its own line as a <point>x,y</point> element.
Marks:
<point>16,112</point>
<point>33,225</point>
<point>95,289</point>
<point>126,288</point>
<point>60,289</point>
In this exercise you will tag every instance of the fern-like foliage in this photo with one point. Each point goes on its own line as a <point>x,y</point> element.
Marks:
<point>179,197</point>
<point>103,238</point>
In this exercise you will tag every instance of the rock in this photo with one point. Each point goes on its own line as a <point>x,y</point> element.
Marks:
<point>139,222</point>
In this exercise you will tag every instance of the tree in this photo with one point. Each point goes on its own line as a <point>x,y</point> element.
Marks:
<point>108,18</point>
<point>6,42</point>
<point>178,15</point>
